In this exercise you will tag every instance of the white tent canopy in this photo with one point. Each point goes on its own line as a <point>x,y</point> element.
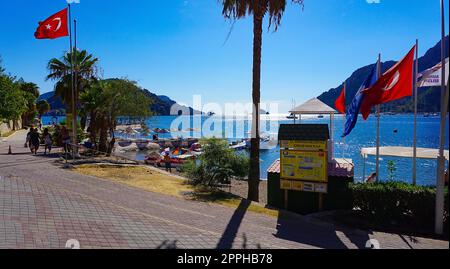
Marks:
<point>313,106</point>
<point>404,152</point>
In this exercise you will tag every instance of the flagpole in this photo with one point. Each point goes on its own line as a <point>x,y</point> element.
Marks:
<point>416,68</point>
<point>343,119</point>
<point>75,79</point>
<point>378,125</point>
<point>74,120</point>
<point>440,182</point>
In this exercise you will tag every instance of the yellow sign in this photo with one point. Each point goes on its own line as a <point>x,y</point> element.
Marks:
<point>304,145</point>
<point>286,184</point>
<point>295,185</point>
<point>304,165</point>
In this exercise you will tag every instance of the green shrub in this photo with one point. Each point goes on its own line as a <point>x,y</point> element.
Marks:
<point>217,165</point>
<point>397,202</point>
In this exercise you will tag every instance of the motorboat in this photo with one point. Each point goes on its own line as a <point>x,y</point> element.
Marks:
<point>266,143</point>
<point>239,145</point>
<point>292,117</point>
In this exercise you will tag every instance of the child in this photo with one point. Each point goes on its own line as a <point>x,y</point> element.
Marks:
<point>168,162</point>
<point>48,142</point>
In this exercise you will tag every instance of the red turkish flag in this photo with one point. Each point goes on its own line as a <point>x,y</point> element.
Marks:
<point>53,27</point>
<point>340,102</point>
<point>395,84</point>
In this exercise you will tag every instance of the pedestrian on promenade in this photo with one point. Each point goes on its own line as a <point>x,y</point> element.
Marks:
<point>65,138</point>
<point>34,141</point>
<point>167,162</point>
<point>48,142</point>
<point>27,141</point>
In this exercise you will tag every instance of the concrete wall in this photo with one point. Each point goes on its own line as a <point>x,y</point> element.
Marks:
<point>7,127</point>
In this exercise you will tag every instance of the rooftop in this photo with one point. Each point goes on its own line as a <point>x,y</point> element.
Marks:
<point>313,106</point>
<point>302,132</point>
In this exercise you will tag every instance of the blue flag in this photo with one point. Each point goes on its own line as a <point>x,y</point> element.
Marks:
<point>355,106</point>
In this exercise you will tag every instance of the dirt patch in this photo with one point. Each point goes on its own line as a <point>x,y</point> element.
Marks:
<point>152,180</point>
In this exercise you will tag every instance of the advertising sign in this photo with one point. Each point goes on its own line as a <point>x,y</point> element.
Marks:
<point>304,145</point>
<point>304,165</point>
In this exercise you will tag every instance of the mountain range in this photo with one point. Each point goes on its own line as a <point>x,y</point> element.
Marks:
<point>161,105</point>
<point>428,98</point>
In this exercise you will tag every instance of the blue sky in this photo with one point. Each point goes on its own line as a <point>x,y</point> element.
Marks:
<point>176,47</point>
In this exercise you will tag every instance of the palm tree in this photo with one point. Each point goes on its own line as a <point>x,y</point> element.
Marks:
<point>60,70</point>
<point>31,94</point>
<point>238,9</point>
<point>42,107</point>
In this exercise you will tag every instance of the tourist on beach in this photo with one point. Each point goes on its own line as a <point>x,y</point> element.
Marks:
<point>34,141</point>
<point>65,138</point>
<point>48,142</point>
<point>168,162</point>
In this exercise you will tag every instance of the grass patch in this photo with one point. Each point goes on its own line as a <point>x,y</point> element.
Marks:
<point>7,134</point>
<point>150,180</point>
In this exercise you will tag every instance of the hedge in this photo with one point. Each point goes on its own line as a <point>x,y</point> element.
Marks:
<point>395,202</point>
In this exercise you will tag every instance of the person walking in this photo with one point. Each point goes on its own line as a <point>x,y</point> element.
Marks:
<point>168,162</point>
<point>48,142</point>
<point>65,138</point>
<point>34,141</point>
<point>27,142</point>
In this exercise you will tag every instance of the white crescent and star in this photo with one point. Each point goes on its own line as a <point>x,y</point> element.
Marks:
<point>393,82</point>
<point>49,27</point>
<point>59,23</point>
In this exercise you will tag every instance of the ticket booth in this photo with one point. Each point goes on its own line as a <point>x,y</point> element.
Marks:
<point>306,178</point>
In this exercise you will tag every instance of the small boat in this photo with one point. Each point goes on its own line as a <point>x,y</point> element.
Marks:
<point>153,158</point>
<point>161,131</point>
<point>239,146</point>
<point>426,115</point>
<point>292,117</point>
<point>268,143</point>
<point>177,161</point>
<point>125,144</point>
<point>320,116</point>
<point>196,147</point>
<point>142,145</point>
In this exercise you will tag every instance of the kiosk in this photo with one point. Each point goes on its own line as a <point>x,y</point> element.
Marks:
<point>306,178</point>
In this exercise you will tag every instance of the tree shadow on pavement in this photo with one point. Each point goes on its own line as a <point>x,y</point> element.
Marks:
<point>293,228</point>
<point>168,245</point>
<point>230,233</point>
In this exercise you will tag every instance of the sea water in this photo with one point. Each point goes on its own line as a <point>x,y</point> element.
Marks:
<point>396,130</point>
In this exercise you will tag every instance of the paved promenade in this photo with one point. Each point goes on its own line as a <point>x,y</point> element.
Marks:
<point>43,205</point>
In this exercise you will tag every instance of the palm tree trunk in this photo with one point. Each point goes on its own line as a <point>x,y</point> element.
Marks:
<point>103,140</point>
<point>93,127</point>
<point>83,120</point>
<point>254,173</point>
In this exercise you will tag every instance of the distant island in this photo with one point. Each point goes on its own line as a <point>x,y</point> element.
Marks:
<point>428,98</point>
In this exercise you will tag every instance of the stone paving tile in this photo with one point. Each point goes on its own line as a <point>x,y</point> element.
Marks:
<point>43,205</point>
